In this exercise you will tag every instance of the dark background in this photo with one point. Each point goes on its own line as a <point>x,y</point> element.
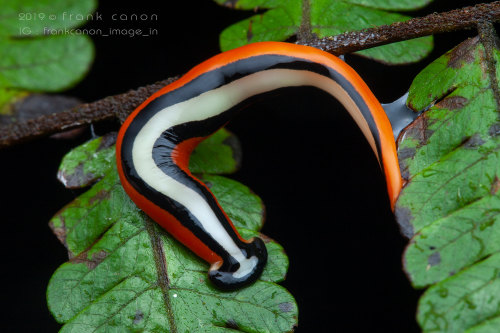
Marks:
<point>324,192</point>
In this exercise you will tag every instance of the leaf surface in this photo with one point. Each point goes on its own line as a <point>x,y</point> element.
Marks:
<point>285,18</point>
<point>470,299</point>
<point>450,157</point>
<point>39,17</point>
<point>219,154</point>
<point>39,48</point>
<point>126,273</point>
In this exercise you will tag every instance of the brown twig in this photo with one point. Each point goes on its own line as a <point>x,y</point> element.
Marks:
<point>119,106</point>
<point>459,19</point>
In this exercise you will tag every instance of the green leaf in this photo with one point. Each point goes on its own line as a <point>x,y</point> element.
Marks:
<point>38,17</point>
<point>450,205</point>
<point>488,326</point>
<point>87,163</point>
<point>277,24</point>
<point>409,51</point>
<point>284,19</point>
<point>464,300</point>
<point>449,155</point>
<point>126,273</point>
<point>219,154</point>
<point>44,64</point>
<point>455,241</point>
<point>40,50</point>
<point>249,214</point>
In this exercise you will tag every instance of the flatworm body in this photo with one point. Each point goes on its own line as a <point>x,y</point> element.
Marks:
<point>155,143</point>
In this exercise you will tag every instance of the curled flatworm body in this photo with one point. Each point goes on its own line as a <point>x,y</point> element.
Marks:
<point>155,142</point>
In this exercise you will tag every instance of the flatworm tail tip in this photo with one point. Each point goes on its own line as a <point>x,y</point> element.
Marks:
<point>229,280</point>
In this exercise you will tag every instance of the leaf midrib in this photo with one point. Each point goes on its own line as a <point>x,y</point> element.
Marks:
<point>161,269</point>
